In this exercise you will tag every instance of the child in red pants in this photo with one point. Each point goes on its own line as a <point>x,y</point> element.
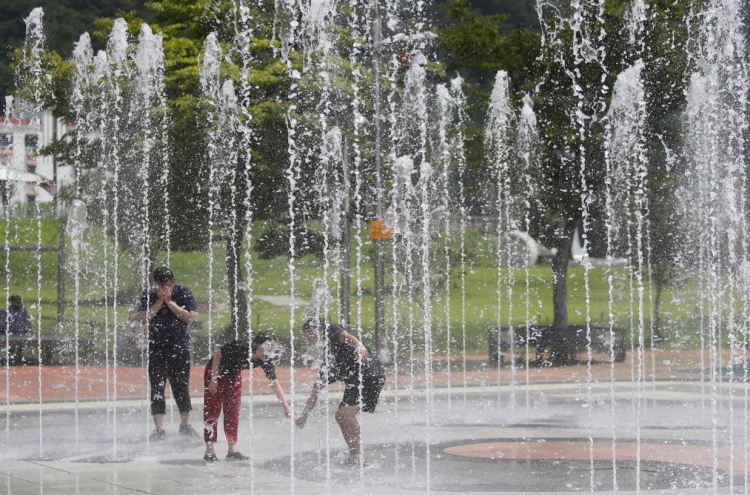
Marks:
<point>223,387</point>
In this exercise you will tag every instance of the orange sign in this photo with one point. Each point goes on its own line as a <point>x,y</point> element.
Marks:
<point>378,230</point>
<point>404,58</point>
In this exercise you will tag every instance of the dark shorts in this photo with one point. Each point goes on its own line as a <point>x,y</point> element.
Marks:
<point>371,387</point>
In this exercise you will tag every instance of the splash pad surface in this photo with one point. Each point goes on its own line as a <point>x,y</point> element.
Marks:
<point>541,448</point>
<point>679,426</point>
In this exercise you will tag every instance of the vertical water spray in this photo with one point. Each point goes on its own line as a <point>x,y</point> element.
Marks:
<point>292,177</point>
<point>716,124</point>
<point>98,74</point>
<point>587,26</point>
<point>329,185</point>
<point>83,87</point>
<point>443,152</point>
<point>30,77</point>
<point>113,66</point>
<point>286,24</point>
<point>164,124</point>
<point>147,60</point>
<point>318,39</point>
<point>75,229</point>
<point>612,230</point>
<point>149,68</point>
<point>6,239</point>
<point>709,172</point>
<point>527,143</point>
<point>86,103</point>
<point>413,142</point>
<point>498,141</point>
<point>460,164</point>
<point>358,24</point>
<point>625,201</point>
<point>38,259</point>
<point>403,199</point>
<point>400,264</point>
<point>243,22</point>
<point>425,183</point>
<point>211,91</point>
<point>227,203</point>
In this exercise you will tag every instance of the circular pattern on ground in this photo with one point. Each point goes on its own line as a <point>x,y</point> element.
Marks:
<point>509,465</point>
<point>693,455</point>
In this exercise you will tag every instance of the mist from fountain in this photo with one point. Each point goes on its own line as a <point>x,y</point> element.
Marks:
<point>716,213</point>
<point>426,164</point>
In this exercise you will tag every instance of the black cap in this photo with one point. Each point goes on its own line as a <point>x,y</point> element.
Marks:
<point>163,274</point>
<point>313,323</point>
<point>261,337</point>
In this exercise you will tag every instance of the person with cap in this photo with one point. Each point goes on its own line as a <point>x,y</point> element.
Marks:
<point>168,309</point>
<point>345,359</point>
<point>222,382</point>
<point>15,321</point>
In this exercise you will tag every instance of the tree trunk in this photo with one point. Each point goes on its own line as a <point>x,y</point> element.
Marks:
<point>237,296</point>
<point>560,275</point>
<point>235,238</point>
<point>657,314</point>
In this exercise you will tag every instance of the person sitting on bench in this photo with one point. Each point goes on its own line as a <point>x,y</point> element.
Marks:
<point>15,321</point>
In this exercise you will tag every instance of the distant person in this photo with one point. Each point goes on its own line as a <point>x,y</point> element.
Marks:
<point>15,320</point>
<point>168,309</point>
<point>223,387</point>
<point>349,360</point>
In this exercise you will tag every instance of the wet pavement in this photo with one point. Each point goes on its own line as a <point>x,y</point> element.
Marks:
<point>674,433</point>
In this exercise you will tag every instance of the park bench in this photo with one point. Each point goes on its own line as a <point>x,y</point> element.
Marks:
<point>563,344</point>
<point>51,345</point>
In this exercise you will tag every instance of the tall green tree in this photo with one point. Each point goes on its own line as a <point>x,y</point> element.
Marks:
<point>569,70</point>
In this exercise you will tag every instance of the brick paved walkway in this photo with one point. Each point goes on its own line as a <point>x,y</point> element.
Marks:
<point>98,382</point>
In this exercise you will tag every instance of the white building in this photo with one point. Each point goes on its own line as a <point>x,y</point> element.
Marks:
<point>22,136</point>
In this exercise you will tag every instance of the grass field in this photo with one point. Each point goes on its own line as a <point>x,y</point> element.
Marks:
<point>522,295</point>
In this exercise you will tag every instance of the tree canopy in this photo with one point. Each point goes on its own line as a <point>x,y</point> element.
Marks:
<point>570,78</point>
<point>64,21</point>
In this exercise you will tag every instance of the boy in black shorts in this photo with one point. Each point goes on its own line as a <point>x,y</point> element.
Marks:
<point>223,387</point>
<point>348,360</point>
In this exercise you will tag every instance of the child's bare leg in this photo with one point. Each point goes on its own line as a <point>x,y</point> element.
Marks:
<point>347,420</point>
<point>209,448</point>
<point>232,447</point>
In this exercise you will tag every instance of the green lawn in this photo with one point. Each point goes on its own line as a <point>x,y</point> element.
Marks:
<point>521,292</point>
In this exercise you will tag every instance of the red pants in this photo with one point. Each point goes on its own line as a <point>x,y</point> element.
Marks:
<point>228,395</point>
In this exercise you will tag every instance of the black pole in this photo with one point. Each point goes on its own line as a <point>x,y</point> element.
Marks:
<point>345,244</point>
<point>61,277</point>
<point>379,213</point>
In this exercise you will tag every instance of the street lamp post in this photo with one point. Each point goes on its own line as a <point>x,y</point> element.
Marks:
<point>382,231</point>
<point>345,243</point>
<point>379,214</point>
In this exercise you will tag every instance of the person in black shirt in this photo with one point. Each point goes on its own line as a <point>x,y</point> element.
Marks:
<point>169,309</point>
<point>223,387</point>
<point>349,360</point>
